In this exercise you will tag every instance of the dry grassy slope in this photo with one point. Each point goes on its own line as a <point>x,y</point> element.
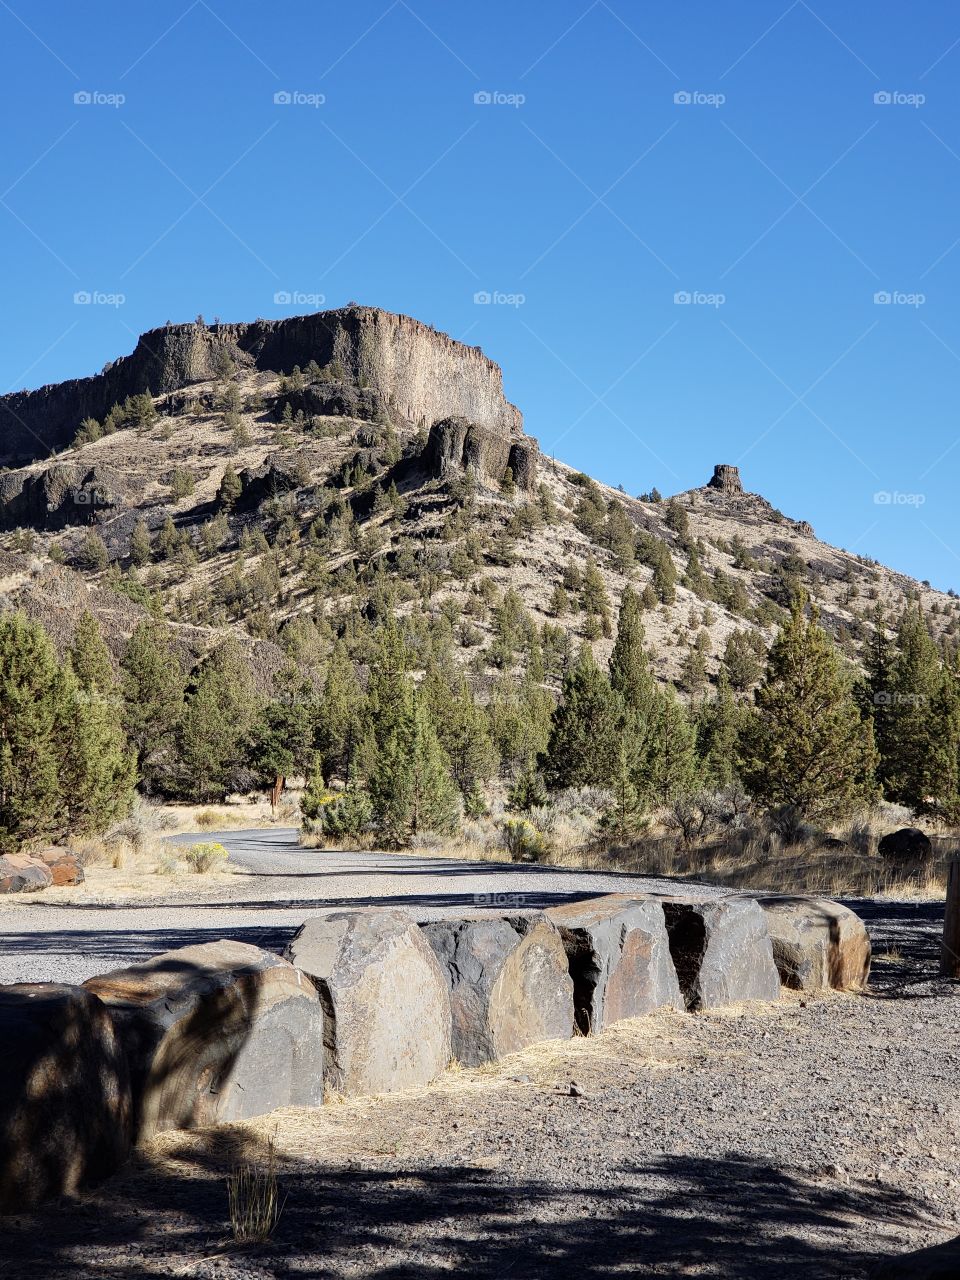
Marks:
<point>190,434</point>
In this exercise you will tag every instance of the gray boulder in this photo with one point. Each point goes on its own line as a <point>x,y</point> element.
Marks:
<point>619,957</point>
<point>509,983</point>
<point>722,951</point>
<point>22,874</point>
<point>937,1262</point>
<point>65,1104</point>
<point>217,1032</point>
<point>386,1002</point>
<point>817,944</point>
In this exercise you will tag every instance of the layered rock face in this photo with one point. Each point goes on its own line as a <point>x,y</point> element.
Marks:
<point>726,479</point>
<point>456,445</point>
<point>422,374</point>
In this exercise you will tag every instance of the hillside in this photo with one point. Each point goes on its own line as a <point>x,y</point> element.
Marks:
<point>373,465</point>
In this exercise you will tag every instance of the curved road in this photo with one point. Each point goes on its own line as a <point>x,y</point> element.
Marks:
<point>278,884</point>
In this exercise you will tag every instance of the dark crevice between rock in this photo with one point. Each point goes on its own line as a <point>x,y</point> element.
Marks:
<point>688,937</point>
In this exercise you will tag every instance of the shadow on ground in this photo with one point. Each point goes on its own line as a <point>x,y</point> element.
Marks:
<point>671,1217</point>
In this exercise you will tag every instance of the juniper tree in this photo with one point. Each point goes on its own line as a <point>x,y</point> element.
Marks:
<point>96,768</point>
<point>805,746</point>
<point>152,685</point>
<point>90,658</point>
<point>141,546</point>
<point>582,747</point>
<point>215,723</point>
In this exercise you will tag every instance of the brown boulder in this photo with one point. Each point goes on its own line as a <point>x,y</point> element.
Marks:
<point>65,1105</point>
<point>22,874</point>
<point>217,1032</point>
<point>386,1002</point>
<point>619,956</point>
<point>64,864</point>
<point>817,944</point>
<point>509,983</point>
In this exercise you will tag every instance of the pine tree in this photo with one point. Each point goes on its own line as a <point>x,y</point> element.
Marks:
<point>433,794</point>
<point>805,745</point>
<point>215,724</point>
<point>340,716</point>
<point>96,769</point>
<point>630,673</point>
<point>90,658</point>
<point>462,728</point>
<point>624,817</point>
<point>282,734</point>
<point>141,547</point>
<point>230,488</point>
<point>668,766</point>
<point>30,689</point>
<point>717,730</point>
<point>584,733</point>
<point>152,685</point>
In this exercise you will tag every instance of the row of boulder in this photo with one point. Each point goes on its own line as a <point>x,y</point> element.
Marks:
<point>366,1001</point>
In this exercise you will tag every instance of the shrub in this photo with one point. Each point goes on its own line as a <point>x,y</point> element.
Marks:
<point>212,820</point>
<point>205,856</point>
<point>522,840</point>
<point>253,1193</point>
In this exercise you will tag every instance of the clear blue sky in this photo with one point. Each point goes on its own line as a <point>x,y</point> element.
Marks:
<point>782,186</point>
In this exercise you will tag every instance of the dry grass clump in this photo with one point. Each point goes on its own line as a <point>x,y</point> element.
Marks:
<point>253,1193</point>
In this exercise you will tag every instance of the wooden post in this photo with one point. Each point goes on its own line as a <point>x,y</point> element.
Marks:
<point>950,955</point>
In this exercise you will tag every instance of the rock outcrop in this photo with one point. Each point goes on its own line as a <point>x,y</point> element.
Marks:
<point>213,1033</point>
<point>386,1002</point>
<point>456,445</point>
<point>817,944</point>
<point>725,478</point>
<point>65,1103</point>
<point>907,852</point>
<point>509,982</point>
<point>722,951</point>
<point>619,956</point>
<point>420,373</point>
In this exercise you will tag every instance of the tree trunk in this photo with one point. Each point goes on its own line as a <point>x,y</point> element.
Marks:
<point>277,791</point>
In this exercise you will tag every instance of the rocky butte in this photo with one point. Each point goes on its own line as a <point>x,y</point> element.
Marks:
<point>417,373</point>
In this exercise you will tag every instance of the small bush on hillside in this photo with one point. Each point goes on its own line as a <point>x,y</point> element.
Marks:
<point>522,840</point>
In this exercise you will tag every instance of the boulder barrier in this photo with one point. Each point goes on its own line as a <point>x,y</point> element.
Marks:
<point>509,983</point>
<point>817,944</point>
<point>66,1111</point>
<point>618,953</point>
<point>722,951</point>
<point>386,1002</point>
<point>213,1033</point>
<point>20,873</point>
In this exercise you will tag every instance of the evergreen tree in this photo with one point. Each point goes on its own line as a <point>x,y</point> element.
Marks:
<point>805,745</point>
<point>584,733</point>
<point>152,685</point>
<point>433,794</point>
<point>668,766</point>
<point>230,488</point>
<point>141,547</point>
<point>630,674</point>
<point>215,724</point>
<point>624,817</point>
<point>29,719</point>
<point>282,735</point>
<point>96,769</point>
<point>340,716</point>
<point>717,730</point>
<point>90,658</point>
<point>462,728</point>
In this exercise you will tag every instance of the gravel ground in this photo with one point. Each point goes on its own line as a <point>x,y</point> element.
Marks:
<point>808,1138</point>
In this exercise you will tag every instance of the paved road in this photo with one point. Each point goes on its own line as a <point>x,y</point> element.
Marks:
<point>277,885</point>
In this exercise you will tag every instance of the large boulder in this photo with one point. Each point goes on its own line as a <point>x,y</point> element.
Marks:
<point>65,1105</point>
<point>22,874</point>
<point>619,957</point>
<point>216,1032</point>
<point>817,943</point>
<point>509,982</point>
<point>907,851</point>
<point>386,1002</point>
<point>722,951</point>
<point>63,864</point>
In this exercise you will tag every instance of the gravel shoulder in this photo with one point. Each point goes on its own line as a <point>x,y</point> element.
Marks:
<point>808,1138</point>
